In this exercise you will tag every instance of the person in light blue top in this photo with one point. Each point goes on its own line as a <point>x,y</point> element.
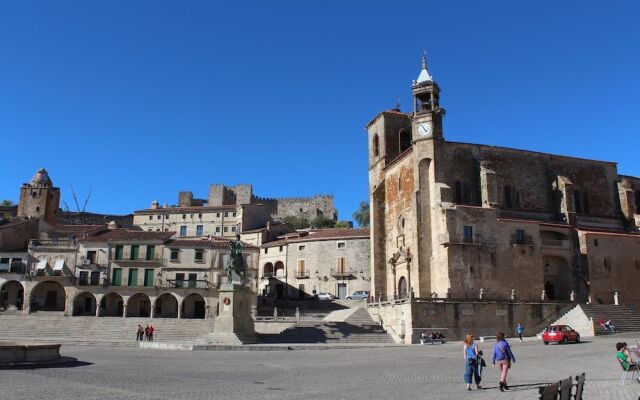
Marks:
<point>471,358</point>
<point>520,330</point>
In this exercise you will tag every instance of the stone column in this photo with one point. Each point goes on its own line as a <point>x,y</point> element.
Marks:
<point>152,313</point>
<point>180,310</point>
<point>124,310</point>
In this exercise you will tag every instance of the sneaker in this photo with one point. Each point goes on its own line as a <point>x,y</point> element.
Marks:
<point>480,387</point>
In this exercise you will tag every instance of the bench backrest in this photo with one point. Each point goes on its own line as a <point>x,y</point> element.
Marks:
<point>566,386</point>
<point>579,386</point>
<point>549,392</point>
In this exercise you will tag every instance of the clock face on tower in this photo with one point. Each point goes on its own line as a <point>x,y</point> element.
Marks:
<point>425,129</point>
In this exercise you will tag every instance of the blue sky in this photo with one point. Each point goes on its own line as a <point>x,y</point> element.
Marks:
<point>141,99</point>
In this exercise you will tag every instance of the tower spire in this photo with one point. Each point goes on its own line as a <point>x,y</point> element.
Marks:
<point>424,73</point>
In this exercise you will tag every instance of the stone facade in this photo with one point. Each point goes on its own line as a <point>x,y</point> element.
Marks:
<point>464,221</point>
<point>334,261</point>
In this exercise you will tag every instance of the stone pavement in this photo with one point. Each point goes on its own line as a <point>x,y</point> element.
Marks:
<point>408,372</point>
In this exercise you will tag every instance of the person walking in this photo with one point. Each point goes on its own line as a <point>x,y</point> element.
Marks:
<point>504,356</point>
<point>471,361</point>
<point>140,333</point>
<point>520,330</point>
<point>146,332</point>
<point>151,329</point>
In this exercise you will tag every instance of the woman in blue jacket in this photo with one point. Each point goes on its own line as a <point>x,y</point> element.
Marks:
<point>503,355</point>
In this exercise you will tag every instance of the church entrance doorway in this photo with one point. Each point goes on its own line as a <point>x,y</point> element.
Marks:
<point>558,279</point>
<point>402,288</point>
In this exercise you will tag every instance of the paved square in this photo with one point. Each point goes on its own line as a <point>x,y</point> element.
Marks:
<point>407,372</point>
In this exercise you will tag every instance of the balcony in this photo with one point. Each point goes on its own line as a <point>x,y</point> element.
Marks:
<point>555,244</point>
<point>343,273</point>
<point>37,244</point>
<point>458,239</point>
<point>524,240</point>
<point>186,284</point>
<point>301,275</point>
<point>16,267</point>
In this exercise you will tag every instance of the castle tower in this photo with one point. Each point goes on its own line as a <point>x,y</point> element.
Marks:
<point>39,199</point>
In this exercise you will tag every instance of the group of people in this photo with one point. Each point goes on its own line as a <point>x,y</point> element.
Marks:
<point>502,357</point>
<point>145,333</point>
<point>607,325</point>
<point>432,337</point>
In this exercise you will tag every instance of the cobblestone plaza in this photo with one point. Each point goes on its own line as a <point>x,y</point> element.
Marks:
<point>386,372</point>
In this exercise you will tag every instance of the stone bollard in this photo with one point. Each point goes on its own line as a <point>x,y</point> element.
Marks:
<point>275,313</point>
<point>572,296</point>
<point>543,296</point>
<point>481,293</point>
<point>297,315</point>
<point>513,295</point>
<point>616,299</point>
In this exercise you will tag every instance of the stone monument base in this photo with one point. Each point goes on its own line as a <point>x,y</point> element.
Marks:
<point>234,324</point>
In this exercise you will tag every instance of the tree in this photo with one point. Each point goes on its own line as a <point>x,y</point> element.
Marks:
<point>362,214</point>
<point>6,202</point>
<point>296,222</point>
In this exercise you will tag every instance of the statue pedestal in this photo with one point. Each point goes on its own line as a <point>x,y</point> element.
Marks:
<point>234,324</point>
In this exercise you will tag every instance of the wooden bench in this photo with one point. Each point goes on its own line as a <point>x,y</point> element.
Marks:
<point>563,390</point>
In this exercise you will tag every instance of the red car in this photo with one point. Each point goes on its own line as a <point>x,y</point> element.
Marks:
<point>561,334</point>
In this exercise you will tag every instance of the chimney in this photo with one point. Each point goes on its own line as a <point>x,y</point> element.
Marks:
<point>154,205</point>
<point>112,225</point>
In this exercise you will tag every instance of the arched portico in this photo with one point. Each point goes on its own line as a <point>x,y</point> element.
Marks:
<point>166,306</point>
<point>48,296</point>
<point>267,270</point>
<point>12,296</point>
<point>139,305</point>
<point>279,268</point>
<point>111,305</point>
<point>194,306</point>
<point>84,304</point>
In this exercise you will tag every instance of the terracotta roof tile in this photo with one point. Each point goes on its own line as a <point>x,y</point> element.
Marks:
<point>126,235</point>
<point>325,234</point>
<point>75,230</point>
<point>177,210</point>
<point>215,242</point>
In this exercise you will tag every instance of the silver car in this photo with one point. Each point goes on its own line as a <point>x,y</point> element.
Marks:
<point>358,295</point>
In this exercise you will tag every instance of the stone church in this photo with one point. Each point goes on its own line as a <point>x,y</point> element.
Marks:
<point>462,221</point>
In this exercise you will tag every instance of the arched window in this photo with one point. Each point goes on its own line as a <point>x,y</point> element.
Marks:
<point>458,192</point>
<point>402,288</point>
<point>376,145</point>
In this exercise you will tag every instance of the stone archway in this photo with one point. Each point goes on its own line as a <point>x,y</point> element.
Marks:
<point>48,296</point>
<point>84,304</point>
<point>194,306</point>
<point>12,296</point>
<point>279,268</point>
<point>267,270</point>
<point>402,288</point>
<point>166,306</point>
<point>111,305</point>
<point>139,305</point>
<point>558,278</point>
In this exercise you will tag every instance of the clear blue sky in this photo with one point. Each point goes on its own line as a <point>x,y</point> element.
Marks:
<point>142,99</point>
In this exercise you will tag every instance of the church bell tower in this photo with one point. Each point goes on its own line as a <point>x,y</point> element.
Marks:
<point>427,113</point>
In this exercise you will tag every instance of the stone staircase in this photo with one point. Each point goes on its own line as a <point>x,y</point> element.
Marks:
<point>624,317</point>
<point>358,328</point>
<point>92,331</point>
<point>584,318</point>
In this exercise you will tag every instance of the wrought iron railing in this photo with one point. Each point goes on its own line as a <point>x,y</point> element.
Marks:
<point>342,272</point>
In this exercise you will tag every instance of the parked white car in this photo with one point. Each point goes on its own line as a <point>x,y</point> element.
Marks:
<point>358,295</point>
<point>325,296</point>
